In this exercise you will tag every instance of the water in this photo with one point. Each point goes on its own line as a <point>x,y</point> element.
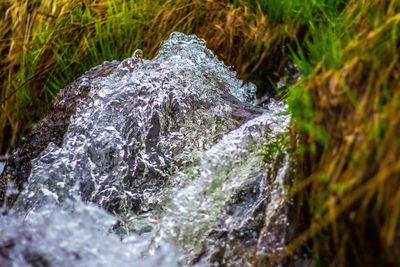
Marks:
<point>160,166</point>
<point>226,172</point>
<point>2,164</point>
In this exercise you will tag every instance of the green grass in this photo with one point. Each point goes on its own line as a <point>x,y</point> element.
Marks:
<point>299,11</point>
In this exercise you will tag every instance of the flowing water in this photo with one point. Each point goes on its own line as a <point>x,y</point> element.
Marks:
<point>1,166</point>
<point>160,166</point>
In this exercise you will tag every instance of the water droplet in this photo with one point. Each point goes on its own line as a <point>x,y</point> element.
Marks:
<point>138,54</point>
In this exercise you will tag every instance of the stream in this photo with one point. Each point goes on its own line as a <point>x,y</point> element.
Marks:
<point>161,165</point>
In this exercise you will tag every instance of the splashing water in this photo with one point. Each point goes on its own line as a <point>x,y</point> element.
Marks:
<point>226,171</point>
<point>1,166</point>
<point>170,147</point>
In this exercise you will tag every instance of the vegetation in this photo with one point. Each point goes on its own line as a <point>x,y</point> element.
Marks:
<point>345,109</point>
<point>346,117</point>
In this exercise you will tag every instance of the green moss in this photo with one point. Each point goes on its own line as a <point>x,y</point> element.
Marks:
<point>274,147</point>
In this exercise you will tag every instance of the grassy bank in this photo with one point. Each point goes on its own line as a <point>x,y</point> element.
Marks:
<point>345,107</point>
<point>346,118</point>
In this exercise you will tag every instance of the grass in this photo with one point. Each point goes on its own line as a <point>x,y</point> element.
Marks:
<point>345,113</point>
<point>345,128</point>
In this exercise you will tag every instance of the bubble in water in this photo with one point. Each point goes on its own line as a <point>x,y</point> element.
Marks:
<point>130,64</point>
<point>138,54</point>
